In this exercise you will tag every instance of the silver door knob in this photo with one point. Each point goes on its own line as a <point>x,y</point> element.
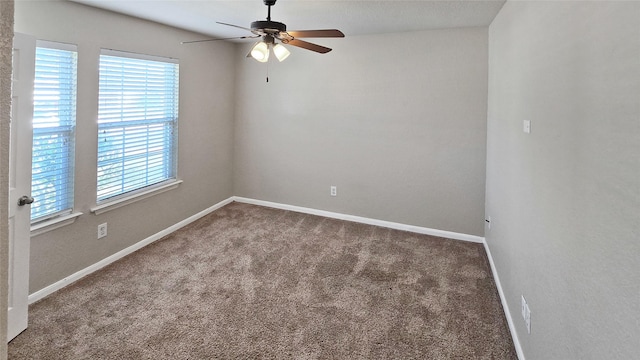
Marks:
<point>25,200</point>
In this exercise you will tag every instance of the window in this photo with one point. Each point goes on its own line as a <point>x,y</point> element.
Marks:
<point>137,123</point>
<point>54,119</point>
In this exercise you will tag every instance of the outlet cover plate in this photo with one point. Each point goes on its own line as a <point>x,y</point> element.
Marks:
<point>526,126</point>
<point>102,230</point>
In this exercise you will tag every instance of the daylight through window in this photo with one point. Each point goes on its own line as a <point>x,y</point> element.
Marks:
<point>137,123</point>
<point>54,118</point>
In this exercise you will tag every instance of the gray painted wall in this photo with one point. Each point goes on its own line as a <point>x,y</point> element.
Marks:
<point>6,41</point>
<point>397,122</point>
<point>565,199</point>
<point>205,135</point>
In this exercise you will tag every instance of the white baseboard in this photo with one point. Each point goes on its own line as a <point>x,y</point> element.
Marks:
<point>505,306</point>
<point>364,220</point>
<point>122,253</point>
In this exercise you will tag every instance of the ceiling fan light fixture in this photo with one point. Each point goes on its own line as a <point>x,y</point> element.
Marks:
<point>280,52</point>
<point>260,51</point>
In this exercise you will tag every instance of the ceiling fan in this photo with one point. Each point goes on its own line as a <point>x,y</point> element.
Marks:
<point>270,31</point>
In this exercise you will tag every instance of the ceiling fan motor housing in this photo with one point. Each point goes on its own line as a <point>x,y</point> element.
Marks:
<point>267,26</point>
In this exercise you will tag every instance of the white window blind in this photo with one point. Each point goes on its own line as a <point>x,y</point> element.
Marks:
<point>137,123</point>
<point>54,118</point>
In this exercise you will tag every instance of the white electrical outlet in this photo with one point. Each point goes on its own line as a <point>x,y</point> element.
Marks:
<point>102,230</point>
<point>526,126</point>
<point>488,221</point>
<point>334,191</point>
<point>523,306</point>
<point>527,318</point>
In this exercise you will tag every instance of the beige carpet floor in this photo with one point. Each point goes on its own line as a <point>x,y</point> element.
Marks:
<point>250,282</point>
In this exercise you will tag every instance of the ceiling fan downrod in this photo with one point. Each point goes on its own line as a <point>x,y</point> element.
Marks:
<point>269,4</point>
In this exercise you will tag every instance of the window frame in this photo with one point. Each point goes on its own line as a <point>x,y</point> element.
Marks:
<point>67,214</point>
<point>144,191</point>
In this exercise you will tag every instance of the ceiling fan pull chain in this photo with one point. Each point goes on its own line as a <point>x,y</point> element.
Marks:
<point>267,71</point>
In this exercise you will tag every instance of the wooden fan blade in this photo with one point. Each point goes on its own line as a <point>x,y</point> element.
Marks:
<point>231,38</point>
<point>326,33</point>
<point>309,46</point>
<point>239,27</point>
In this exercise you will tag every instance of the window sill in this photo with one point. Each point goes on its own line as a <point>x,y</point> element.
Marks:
<point>55,223</point>
<point>112,205</point>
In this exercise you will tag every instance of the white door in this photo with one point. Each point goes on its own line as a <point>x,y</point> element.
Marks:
<point>20,182</point>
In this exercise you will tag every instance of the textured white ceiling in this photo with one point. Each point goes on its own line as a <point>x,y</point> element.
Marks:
<point>353,17</point>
